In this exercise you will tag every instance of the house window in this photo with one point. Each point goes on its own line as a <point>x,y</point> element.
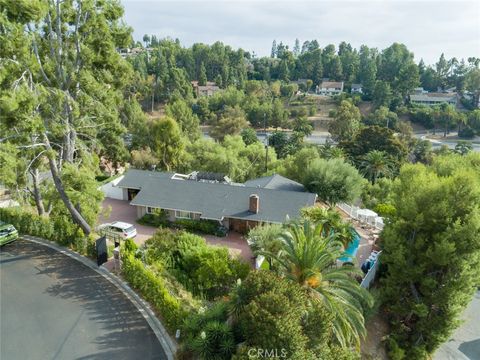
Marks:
<point>150,210</point>
<point>183,214</point>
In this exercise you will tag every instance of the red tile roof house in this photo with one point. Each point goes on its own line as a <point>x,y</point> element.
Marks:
<point>238,207</point>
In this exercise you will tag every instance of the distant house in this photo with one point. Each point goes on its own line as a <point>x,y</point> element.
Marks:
<point>330,88</point>
<point>357,89</point>
<point>205,90</point>
<point>433,98</point>
<point>420,90</point>
<point>199,195</point>
<point>128,52</point>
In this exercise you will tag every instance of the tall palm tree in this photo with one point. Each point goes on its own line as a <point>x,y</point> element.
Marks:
<point>308,256</point>
<point>376,164</point>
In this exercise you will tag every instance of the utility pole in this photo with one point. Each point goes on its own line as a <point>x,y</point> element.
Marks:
<point>266,140</point>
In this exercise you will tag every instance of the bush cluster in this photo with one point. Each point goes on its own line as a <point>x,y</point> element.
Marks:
<point>466,133</point>
<point>58,229</point>
<point>154,288</point>
<point>210,227</point>
<point>153,220</point>
<point>206,271</point>
<point>159,219</point>
<point>208,334</point>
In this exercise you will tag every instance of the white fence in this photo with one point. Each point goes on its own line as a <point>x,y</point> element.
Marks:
<point>363,215</point>
<point>111,190</point>
<point>370,276</point>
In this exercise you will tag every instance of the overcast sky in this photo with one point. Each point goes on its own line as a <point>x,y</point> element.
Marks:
<point>427,27</point>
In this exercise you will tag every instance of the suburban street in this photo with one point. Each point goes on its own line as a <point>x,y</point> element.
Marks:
<point>320,137</point>
<point>464,344</point>
<point>54,307</point>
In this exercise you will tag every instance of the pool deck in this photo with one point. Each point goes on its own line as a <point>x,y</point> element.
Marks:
<point>366,233</point>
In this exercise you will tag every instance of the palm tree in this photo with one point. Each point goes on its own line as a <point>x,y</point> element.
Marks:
<point>265,238</point>
<point>308,256</point>
<point>376,164</point>
<point>332,222</point>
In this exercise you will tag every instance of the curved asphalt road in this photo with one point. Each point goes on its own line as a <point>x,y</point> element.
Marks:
<point>53,307</point>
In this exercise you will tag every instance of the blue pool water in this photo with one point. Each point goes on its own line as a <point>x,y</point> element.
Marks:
<point>352,248</point>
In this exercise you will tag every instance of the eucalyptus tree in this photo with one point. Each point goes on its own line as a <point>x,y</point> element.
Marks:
<point>62,85</point>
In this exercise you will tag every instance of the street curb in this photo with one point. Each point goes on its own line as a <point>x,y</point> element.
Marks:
<point>168,344</point>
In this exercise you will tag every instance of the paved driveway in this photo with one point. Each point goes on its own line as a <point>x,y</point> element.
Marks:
<point>53,307</point>
<point>122,211</point>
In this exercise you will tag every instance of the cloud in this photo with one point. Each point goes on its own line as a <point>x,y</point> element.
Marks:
<point>427,27</point>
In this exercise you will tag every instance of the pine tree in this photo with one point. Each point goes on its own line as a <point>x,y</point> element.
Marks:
<point>431,251</point>
<point>202,77</point>
<point>296,48</point>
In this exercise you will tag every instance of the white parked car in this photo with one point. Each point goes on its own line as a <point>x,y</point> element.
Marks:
<point>118,229</point>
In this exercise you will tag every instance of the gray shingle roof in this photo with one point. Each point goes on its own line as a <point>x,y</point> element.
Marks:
<point>135,179</point>
<point>276,182</point>
<point>215,201</point>
<point>437,97</point>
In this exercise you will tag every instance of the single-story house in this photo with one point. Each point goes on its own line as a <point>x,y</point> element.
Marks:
<point>357,89</point>
<point>330,88</point>
<point>432,99</point>
<point>236,206</point>
<point>205,90</point>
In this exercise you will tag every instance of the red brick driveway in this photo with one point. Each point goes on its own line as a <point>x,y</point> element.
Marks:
<point>121,210</point>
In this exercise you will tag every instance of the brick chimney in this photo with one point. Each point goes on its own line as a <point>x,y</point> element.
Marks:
<point>254,205</point>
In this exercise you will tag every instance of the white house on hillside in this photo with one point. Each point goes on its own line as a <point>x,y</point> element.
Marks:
<point>432,99</point>
<point>357,89</point>
<point>330,88</point>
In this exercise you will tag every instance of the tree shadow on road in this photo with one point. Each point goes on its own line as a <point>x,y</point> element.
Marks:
<point>127,333</point>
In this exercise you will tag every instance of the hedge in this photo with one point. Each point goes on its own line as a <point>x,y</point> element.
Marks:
<point>203,226</point>
<point>157,290</point>
<point>58,229</point>
<point>153,290</point>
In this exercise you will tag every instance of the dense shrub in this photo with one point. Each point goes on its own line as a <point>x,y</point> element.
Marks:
<point>172,302</point>
<point>207,271</point>
<point>270,312</point>
<point>58,229</point>
<point>299,111</point>
<point>466,133</point>
<point>158,218</point>
<point>211,227</point>
<point>423,115</point>
<point>207,334</point>
<point>154,290</point>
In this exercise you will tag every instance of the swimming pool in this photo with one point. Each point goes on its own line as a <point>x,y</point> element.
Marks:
<point>352,248</point>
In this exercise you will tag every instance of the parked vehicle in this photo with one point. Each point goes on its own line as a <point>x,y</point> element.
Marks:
<point>8,233</point>
<point>118,230</point>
